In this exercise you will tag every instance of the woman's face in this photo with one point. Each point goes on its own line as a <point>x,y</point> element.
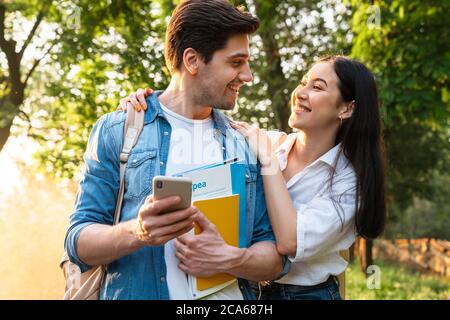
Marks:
<point>316,103</point>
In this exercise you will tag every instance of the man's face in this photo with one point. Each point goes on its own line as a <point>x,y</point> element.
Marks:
<point>219,81</point>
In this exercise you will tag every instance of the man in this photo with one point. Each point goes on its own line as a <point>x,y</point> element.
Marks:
<point>207,52</point>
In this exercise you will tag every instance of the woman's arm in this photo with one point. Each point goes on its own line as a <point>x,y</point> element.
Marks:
<point>282,214</point>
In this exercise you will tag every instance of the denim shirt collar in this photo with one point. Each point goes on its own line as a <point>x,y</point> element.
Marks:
<point>154,106</point>
<point>221,122</point>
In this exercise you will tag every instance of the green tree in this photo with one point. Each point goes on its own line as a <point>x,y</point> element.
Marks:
<point>13,78</point>
<point>406,44</point>
<point>75,62</point>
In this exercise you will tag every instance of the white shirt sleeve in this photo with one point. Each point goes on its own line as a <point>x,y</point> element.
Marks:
<point>320,230</point>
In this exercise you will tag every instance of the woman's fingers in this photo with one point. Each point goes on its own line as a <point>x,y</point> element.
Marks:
<point>123,104</point>
<point>148,91</point>
<point>239,124</point>
<point>242,125</point>
<point>134,102</point>
<point>140,95</point>
<point>244,128</point>
<point>136,107</point>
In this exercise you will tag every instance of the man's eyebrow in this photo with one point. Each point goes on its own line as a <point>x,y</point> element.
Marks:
<point>320,79</point>
<point>239,55</point>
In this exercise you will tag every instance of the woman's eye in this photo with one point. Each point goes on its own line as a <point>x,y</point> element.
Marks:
<point>317,87</point>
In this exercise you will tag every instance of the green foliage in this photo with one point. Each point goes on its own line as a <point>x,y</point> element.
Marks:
<point>409,52</point>
<point>425,218</point>
<point>397,283</point>
<point>411,55</point>
<point>102,51</point>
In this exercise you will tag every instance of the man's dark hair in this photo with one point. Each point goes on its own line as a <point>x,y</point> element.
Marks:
<point>206,26</point>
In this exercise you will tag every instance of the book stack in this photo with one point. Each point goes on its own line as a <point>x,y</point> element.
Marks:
<point>219,192</point>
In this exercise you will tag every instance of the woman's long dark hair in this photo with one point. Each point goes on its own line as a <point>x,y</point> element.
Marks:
<point>362,144</point>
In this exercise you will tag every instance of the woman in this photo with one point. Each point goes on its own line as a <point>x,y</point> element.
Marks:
<point>329,185</point>
<point>324,184</point>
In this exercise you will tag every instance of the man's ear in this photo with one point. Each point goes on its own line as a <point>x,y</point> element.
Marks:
<point>348,110</point>
<point>191,59</point>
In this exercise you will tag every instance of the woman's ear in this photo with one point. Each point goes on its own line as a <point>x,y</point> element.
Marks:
<point>191,60</point>
<point>348,110</point>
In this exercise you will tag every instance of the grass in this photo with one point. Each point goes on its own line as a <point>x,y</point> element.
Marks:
<point>396,283</point>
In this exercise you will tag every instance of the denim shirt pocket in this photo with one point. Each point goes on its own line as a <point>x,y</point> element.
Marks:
<point>139,172</point>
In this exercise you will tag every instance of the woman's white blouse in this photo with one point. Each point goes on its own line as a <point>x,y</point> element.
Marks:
<point>325,216</point>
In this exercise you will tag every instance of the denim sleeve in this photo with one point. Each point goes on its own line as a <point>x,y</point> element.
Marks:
<point>97,193</point>
<point>262,229</point>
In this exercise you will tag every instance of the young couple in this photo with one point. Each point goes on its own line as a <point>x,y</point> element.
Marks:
<point>309,195</point>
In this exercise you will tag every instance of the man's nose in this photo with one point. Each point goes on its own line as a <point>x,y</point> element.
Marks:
<point>246,74</point>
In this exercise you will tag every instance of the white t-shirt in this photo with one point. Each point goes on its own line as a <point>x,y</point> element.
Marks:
<point>192,144</point>
<point>320,232</point>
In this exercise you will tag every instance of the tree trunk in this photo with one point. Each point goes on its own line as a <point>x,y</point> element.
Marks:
<point>11,102</point>
<point>5,132</point>
<point>9,108</point>
<point>351,253</point>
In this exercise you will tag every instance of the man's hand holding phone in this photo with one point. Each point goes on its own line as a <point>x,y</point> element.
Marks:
<point>155,226</point>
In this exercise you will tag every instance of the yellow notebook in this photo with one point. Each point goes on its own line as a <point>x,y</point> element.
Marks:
<point>223,212</point>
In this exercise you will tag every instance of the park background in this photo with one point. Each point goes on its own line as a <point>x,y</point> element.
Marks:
<point>63,64</point>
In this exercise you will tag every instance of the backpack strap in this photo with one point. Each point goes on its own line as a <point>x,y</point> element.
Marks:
<point>133,127</point>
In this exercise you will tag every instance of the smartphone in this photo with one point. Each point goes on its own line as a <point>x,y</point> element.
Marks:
<point>164,187</point>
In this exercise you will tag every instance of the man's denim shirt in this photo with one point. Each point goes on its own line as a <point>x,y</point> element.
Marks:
<point>142,274</point>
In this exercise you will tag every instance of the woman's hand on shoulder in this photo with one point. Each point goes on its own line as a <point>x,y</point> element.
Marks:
<point>257,139</point>
<point>135,100</point>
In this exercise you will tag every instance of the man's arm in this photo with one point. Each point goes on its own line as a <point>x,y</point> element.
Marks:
<point>102,244</point>
<point>91,239</point>
<point>207,254</point>
<point>259,262</point>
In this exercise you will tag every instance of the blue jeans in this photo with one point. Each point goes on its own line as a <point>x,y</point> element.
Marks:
<point>278,291</point>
